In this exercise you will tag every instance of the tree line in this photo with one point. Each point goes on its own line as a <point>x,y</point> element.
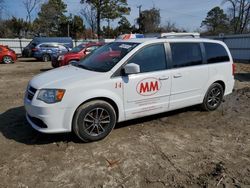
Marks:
<point>95,18</point>
<point>236,20</point>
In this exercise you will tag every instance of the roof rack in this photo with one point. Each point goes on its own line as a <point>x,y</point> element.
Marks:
<point>179,35</point>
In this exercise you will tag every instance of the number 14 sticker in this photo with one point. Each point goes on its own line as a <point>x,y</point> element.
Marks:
<point>118,85</point>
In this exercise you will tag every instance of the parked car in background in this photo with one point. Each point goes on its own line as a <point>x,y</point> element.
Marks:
<point>75,54</point>
<point>45,51</point>
<point>130,36</point>
<point>27,51</point>
<point>7,55</point>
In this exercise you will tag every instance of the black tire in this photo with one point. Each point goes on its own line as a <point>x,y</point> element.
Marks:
<point>46,57</point>
<point>7,60</point>
<point>213,97</point>
<point>94,120</point>
<point>55,64</point>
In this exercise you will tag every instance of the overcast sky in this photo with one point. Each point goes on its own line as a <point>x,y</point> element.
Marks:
<point>187,14</point>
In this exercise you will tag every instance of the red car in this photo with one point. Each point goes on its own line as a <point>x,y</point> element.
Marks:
<point>7,55</point>
<point>76,54</point>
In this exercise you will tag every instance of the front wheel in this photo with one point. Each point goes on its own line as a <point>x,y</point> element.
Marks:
<point>94,120</point>
<point>46,57</point>
<point>213,97</point>
<point>7,60</point>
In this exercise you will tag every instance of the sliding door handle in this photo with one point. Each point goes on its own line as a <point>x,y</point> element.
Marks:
<point>177,76</point>
<point>164,78</point>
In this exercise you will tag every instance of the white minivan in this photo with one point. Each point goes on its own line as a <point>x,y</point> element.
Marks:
<point>129,79</point>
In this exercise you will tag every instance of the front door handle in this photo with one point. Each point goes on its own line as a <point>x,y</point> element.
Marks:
<point>164,78</point>
<point>177,76</point>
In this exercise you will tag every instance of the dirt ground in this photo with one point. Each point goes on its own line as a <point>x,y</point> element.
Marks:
<point>184,148</point>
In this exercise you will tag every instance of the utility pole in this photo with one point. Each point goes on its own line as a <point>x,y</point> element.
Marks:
<point>139,21</point>
<point>68,30</point>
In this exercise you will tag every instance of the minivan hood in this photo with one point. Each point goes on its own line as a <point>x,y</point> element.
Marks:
<point>62,77</point>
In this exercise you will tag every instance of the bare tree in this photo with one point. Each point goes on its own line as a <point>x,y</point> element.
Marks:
<point>30,5</point>
<point>169,27</point>
<point>89,14</point>
<point>240,14</point>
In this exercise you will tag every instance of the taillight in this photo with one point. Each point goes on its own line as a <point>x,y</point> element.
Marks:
<point>34,49</point>
<point>233,68</point>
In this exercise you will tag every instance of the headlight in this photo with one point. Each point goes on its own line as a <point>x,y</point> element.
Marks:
<point>61,57</point>
<point>51,95</point>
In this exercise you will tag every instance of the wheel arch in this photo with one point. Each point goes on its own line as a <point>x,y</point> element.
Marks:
<point>106,99</point>
<point>222,83</point>
<point>215,79</point>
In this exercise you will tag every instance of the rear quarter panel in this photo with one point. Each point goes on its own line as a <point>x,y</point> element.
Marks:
<point>222,71</point>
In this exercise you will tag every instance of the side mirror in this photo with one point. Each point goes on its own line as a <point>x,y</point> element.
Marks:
<point>73,62</point>
<point>131,68</point>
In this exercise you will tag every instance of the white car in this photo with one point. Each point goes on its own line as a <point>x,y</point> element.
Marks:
<point>129,79</point>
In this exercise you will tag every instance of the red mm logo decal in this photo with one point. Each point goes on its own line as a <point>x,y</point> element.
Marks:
<point>148,86</point>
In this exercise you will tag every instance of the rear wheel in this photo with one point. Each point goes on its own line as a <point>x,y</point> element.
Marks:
<point>55,64</point>
<point>7,60</point>
<point>213,97</point>
<point>46,57</point>
<point>94,120</point>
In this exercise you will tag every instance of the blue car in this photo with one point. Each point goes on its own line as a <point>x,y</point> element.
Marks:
<point>27,51</point>
<point>46,51</point>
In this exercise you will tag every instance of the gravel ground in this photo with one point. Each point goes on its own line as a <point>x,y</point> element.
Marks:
<point>184,148</point>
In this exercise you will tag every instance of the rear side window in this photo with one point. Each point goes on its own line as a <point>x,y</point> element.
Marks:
<point>53,45</point>
<point>215,53</point>
<point>61,47</point>
<point>43,45</point>
<point>186,54</point>
<point>49,46</point>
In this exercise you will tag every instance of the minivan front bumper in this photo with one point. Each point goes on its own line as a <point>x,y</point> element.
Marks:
<point>48,119</point>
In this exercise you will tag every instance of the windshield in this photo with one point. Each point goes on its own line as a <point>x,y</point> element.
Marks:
<point>31,44</point>
<point>78,48</point>
<point>106,57</point>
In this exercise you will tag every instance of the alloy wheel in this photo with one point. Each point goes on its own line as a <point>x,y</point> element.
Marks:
<point>214,97</point>
<point>96,121</point>
<point>7,60</point>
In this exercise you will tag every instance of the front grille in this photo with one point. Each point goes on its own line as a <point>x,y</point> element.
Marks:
<point>31,92</point>
<point>32,89</point>
<point>37,122</point>
<point>30,96</point>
